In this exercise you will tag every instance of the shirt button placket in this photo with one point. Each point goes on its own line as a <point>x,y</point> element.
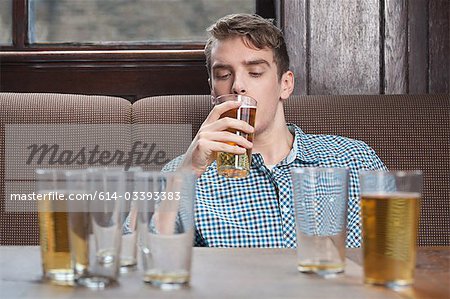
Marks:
<point>283,186</point>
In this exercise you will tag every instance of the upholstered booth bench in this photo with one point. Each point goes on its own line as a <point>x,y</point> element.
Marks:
<point>407,132</point>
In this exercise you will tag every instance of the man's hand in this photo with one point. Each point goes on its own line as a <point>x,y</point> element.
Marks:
<point>213,137</point>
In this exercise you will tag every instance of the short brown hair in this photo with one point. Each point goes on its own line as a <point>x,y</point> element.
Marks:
<point>259,32</point>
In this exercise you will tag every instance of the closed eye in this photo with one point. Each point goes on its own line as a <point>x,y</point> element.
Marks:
<point>255,74</point>
<point>223,76</point>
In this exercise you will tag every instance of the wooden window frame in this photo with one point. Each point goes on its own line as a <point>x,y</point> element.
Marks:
<point>20,40</point>
<point>118,69</point>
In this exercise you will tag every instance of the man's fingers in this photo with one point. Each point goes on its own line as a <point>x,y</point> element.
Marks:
<point>226,123</point>
<point>224,147</point>
<point>218,110</point>
<point>226,137</point>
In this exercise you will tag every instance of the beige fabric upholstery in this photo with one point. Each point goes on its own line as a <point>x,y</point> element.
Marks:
<point>22,228</point>
<point>407,132</point>
<point>169,110</point>
<point>190,109</point>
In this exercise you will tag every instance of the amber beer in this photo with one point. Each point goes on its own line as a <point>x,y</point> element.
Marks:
<point>390,223</point>
<point>232,165</point>
<point>54,241</point>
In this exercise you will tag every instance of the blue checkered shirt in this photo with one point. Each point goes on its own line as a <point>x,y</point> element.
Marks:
<point>257,211</point>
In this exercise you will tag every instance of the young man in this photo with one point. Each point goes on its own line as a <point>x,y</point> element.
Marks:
<point>247,54</point>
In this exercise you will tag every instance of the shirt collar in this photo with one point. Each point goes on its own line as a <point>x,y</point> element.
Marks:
<point>300,149</point>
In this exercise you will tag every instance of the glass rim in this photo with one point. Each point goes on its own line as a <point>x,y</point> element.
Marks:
<point>395,172</point>
<point>70,172</point>
<point>105,168</point>
<point>302,170</point>
<point>51,170</point>
<point>108,173</point>
<point>216,100</point>
<point>135,169</point>
<point>151,174</point>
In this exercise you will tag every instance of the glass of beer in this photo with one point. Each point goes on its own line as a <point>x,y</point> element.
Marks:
<point>166,226</point>
<point>53,226</point>
<point>320,202</point>
<point>78,216</point>
<point>228,164</point>
<point>390,213</point>
<point>128,252</point>
<point>95,224</point>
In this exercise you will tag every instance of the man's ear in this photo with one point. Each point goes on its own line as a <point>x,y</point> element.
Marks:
<point>287,85</point>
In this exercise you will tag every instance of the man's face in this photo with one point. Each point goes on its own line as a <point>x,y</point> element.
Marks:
<point>240,69</point>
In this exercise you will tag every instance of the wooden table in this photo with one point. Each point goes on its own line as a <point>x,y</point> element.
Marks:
<point>231,273</point>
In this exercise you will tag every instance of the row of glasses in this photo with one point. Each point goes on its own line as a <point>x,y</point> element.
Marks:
<point>89,221</point>
<point>83,234</point>
<point>390,206</point>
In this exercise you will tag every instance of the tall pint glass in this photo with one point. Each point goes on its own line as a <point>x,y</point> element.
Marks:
<point>390,213</point>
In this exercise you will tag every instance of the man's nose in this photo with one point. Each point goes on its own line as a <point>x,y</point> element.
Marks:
<point>239,86</point>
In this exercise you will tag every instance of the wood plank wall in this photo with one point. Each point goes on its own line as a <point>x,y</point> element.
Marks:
<point>368,46</point>
<point>439,51</point>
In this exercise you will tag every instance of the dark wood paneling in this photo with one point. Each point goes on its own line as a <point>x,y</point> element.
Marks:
<point>439,50</point>
<point>295,24</point>
<point>266,8</point>
<point>130,83</point>
<point>418,46</point>
<point>20,23</point>
<point>67,55</point>
<point>129,74</point>
<point>396,47</point>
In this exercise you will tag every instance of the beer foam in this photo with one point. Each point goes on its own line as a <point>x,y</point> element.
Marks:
<point>247,106</point>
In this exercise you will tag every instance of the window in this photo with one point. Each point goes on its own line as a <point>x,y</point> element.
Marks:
<point>144,21</point>
<point>5,22</point>
<point>116,24</point>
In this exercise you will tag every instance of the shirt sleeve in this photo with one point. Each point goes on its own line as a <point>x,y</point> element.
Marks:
<point>363,158</point>
<point>173,165</point>
<point>372,162</point>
